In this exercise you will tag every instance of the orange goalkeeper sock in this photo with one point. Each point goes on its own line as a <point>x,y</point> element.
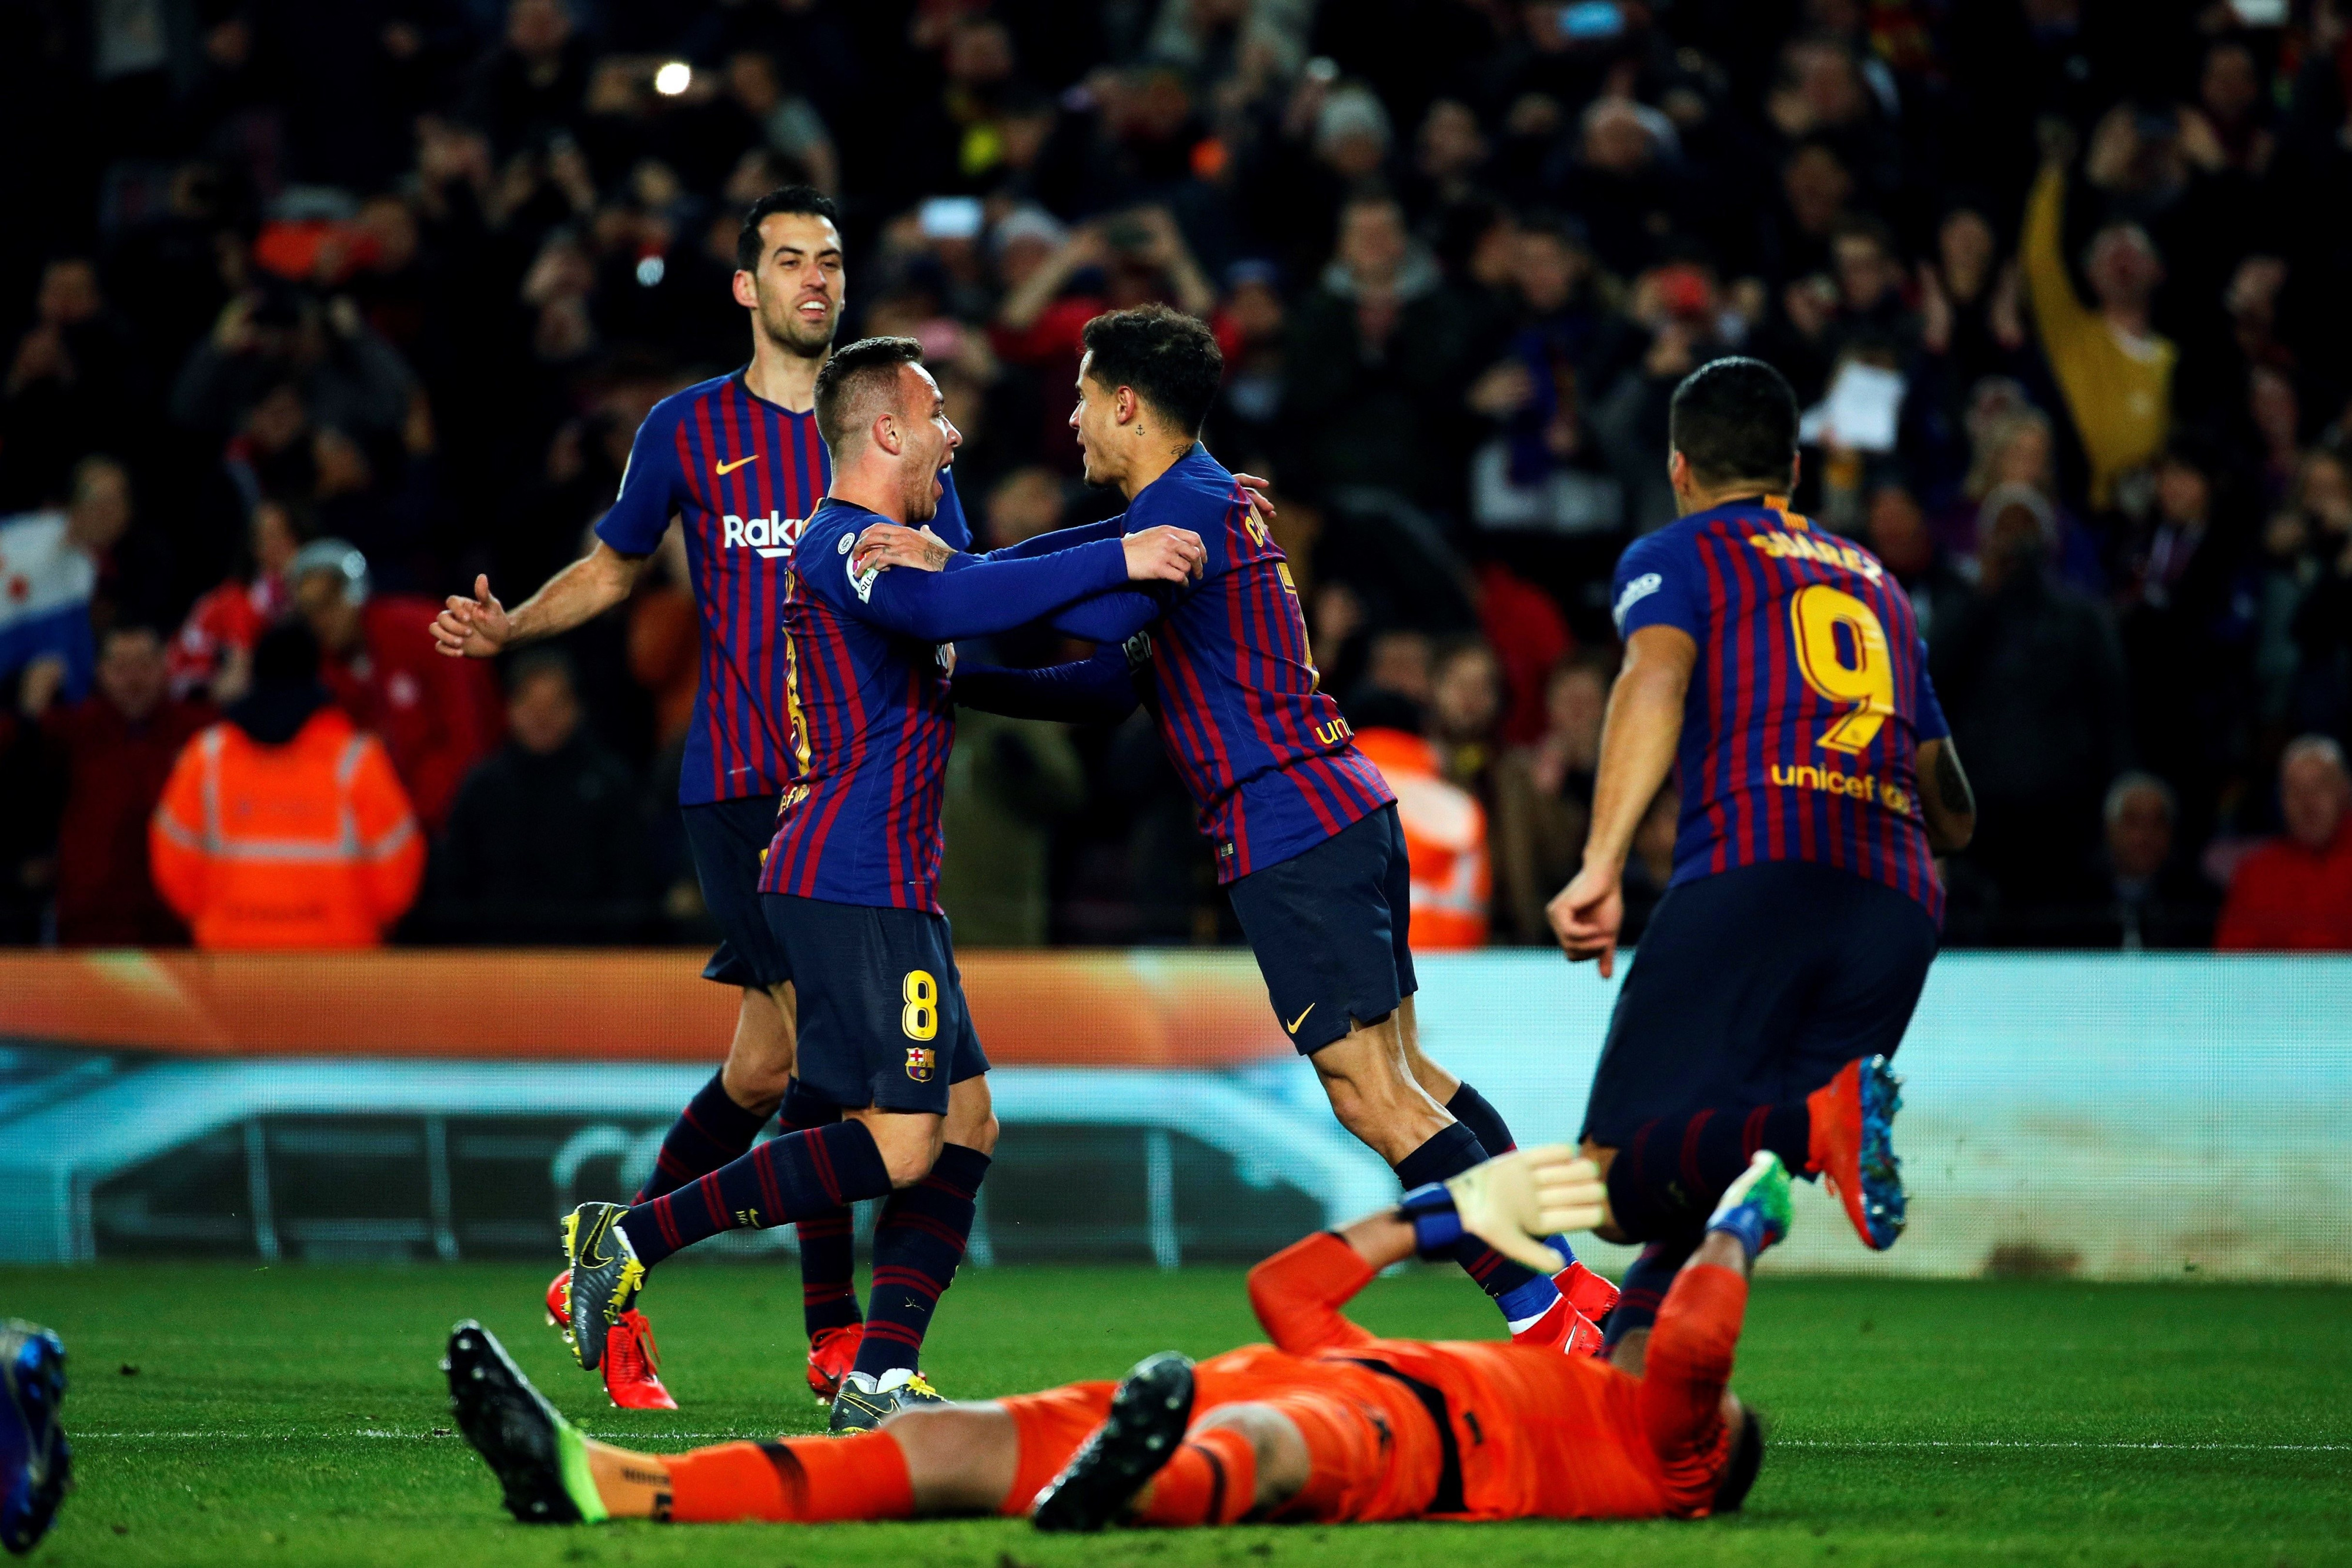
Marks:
<point>1213,1480</point>
<point>802,1480</point>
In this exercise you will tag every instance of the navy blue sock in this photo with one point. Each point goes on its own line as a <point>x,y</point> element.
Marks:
<point>711,1131</point>
<point>1518,1291</point>
<point>780,1181</point>
<point>1476,1112</point>
<point>1643,1289</point>
<point>1671,1173</point>
<point>829,1241</point>
<point>916,1250</point>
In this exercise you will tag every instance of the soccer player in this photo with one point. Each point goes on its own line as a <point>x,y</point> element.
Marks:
<point>1304,827</point>
<point>737,460</point>
<point>1777,670</point>
<point>1328,1424</point>
<point>849,885</point>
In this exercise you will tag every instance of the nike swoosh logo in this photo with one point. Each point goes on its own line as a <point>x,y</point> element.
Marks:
<point>1292,1027</point>
<point>726,468</point>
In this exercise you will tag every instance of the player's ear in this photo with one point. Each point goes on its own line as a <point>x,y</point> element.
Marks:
<point>746,294</point>
<point>886,434</point>
<point>1130,407</point>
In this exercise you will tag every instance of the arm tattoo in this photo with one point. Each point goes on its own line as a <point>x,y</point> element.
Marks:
<point>1951,784</point>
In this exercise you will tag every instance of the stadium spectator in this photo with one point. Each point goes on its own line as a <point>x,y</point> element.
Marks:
<point>2294,893</point>
<point>437,716</point>
<point>76,375</point>
<point>50,564</point>
<point>1465,707</point>
<point>1373,353</point>
<point>283,826</point>
<point>213,652</point>
<point>2114,368</point>
<point>546,841</point>
<point>2155,901</point>
<point>2032,681</point>
<point>112,753</point>
<point>1543,800</point>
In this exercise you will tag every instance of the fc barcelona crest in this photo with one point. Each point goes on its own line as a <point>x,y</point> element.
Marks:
<point>920,1061</point>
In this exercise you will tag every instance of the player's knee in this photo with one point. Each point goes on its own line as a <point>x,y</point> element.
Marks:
<point>958,1457</point>
<point>756,1085</point>
<point>1280,1449</point>
<point>978,1135</point>
<point>908,1143</point>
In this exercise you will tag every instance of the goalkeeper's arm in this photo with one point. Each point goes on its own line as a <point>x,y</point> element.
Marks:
<point>1509,1203</point>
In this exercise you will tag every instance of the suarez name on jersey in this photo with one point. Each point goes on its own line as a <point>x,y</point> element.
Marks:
<point>742,475</point>
<point>1272,767</point>
<point>1809,700</point>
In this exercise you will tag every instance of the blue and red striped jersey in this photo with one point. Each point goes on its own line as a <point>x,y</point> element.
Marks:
<point>1807,702</point>
<point>742,475</point>
<point>1272,767</point>
<point>872,720</point>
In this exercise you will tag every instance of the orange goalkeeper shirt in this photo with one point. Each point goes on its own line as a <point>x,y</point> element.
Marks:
<point>1534,1434</point>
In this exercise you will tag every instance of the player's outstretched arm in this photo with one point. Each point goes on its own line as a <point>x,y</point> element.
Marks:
<point>1637,751</point>
<point>1113,615</point>
<point>1510,1203</point>
<point>482,628</point>
<point>983,597</point>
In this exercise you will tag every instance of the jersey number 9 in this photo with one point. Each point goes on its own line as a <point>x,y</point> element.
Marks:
<point>921,1020</point>
<point>1841,652</point>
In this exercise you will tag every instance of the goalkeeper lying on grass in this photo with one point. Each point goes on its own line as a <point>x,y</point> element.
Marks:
<point>1326,1424</point>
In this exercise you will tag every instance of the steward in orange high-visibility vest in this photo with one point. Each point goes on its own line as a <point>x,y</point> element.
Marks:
<point>285,826</point>
<point>1444,841</point>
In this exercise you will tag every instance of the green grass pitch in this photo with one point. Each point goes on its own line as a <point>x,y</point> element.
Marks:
<point>287,1415</point>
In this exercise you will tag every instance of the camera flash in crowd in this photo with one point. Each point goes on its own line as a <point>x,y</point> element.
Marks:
<point>674,78</point>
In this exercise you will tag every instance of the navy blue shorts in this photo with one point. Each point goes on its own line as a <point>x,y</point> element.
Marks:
<point>882,1016</point>
<point>727,838</point>
<point>1753,988</point>
<point>1332,930</point>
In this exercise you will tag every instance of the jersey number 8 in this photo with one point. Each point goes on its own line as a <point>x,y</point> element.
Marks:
<point>922,1018</point>
<point>1841,652</point>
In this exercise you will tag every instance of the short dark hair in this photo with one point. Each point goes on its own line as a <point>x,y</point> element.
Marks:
<point>1170,359</point>
<point>806,199</point>
<point>1739,1472</point>
<point>853,379</point>
<point>1735,419</point>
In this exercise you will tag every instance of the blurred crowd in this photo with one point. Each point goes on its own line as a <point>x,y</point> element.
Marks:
<point>311,313</point>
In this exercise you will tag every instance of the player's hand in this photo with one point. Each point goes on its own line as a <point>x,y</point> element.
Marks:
<point>1253,489</point>
<point>1586,918</point>
<point>1515,1200</point>
<point>473,628</point>
<point>894,544</point>
<point>1164,555</point>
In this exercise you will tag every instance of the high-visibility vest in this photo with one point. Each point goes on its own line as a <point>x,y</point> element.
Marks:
<point>1445,837</point>
<point>308,844</point>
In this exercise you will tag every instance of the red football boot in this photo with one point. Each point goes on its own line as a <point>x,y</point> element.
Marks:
<point>1563,1328</point>
<point>559,1304</point>
<point>632,1365</point>
<point>1851,1147</point>
<point>1591,1295</point>
<point>832,1352</point>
